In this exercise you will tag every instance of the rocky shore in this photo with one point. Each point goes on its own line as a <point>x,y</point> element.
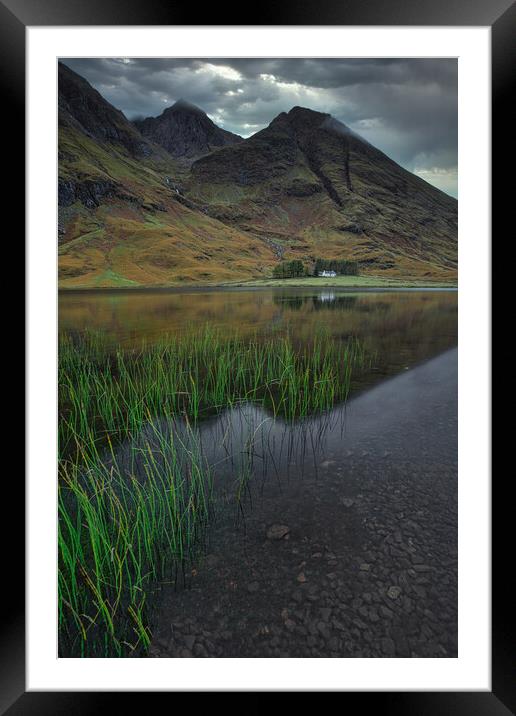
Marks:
<point>355,558</point>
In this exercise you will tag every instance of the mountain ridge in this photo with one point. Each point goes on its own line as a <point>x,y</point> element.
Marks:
<point>306,186</point>
<point>82,107</point>
<point>327,189</point>
<point>122,219</point>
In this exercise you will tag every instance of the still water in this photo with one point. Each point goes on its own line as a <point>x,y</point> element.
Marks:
<point>369,495</point>
<point>401,328</point>
<point>367,490</point>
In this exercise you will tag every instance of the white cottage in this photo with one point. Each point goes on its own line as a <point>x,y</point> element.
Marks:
<point>327,274</point>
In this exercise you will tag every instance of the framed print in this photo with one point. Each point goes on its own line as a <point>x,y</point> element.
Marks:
<point>258,309</point>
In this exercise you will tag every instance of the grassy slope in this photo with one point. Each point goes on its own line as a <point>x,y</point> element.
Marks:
<point>273,185</point>
<point>143,236</point>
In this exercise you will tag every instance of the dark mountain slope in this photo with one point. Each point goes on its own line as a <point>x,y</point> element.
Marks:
<point>83,108</point>
<point>185,131</point>
<point>122,218</point>
<point>306,186</point>
<point>311,184</point>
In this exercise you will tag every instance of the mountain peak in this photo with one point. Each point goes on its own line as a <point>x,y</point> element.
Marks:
<point>323,120</point>
<point>183,105</point>
<point>306,111</point>
<point>321,177</point>
<point>185,131</point>
<point>304,186</point>
<point>304,119</point>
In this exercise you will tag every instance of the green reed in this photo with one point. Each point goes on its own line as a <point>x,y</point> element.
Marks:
<point>111,392</point>
<point>120,533</point>
<point>121,530</point>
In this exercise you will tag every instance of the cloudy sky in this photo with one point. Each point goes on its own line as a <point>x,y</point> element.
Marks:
<point>405,107</point>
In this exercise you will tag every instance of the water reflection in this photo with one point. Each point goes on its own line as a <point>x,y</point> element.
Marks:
<point>380,467</point>
<point>400,328</point>
<point>412,416</point>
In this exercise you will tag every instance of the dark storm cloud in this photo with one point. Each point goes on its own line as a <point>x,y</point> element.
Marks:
<point>405,107</point>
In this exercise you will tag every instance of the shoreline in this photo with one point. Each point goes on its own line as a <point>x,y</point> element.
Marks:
<point>375,284</point>
<point>328,563</point>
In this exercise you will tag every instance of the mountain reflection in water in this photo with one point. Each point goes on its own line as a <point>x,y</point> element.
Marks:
<point>401,328</point>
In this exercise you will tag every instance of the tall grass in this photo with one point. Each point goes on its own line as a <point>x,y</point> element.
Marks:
<point>125,525</point>
<point>112,392</point>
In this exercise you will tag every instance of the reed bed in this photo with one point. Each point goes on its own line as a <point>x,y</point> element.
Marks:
<point>112,392</point>
<point>123,530</point>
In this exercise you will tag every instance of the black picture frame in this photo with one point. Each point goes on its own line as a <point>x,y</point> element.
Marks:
<point>500,15</point>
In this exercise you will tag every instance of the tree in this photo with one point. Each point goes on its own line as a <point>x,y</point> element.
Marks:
<point>290,269</point>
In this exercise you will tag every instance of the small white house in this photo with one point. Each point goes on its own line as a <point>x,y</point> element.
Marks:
<point>327,274</point>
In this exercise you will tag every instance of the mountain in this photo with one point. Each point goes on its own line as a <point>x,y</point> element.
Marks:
<point>175,199</point>
<point>84,109</point>
<point>122,219</point>
<point>315,188</point>
<point>185,131</point>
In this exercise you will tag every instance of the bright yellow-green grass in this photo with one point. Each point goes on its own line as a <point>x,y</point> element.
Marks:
<point>351,282</point>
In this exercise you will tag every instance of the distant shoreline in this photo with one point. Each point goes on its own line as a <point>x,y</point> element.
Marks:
<point>349,283</point>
